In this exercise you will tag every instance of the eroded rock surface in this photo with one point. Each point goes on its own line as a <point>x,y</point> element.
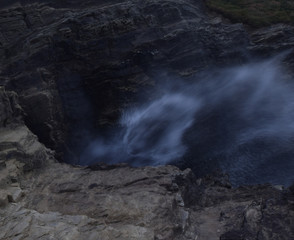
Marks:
<point>74,67</point>
<point>43,199</point>
<point>275,39</point>
<point>64,202</point>
<point>61,60</point>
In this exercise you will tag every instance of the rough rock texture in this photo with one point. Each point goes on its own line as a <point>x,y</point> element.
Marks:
<point>119,202</point>
<point>43,199</point>
<point>20,150</point>
<point>9,108</point>
<point>65,62</point>
<point>64,58</point>
<point>276,39</point>
<point>61,60</point>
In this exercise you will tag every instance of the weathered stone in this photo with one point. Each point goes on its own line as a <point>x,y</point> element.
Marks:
<point>58,201</point>
<point>57,55</point>
<point>3,198</point>
<point>104,57</point>
<point>9,108</point>
<point>274,40</point>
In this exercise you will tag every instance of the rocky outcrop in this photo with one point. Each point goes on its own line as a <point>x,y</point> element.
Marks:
<point>272,39</point>
<point>9,108</point>
<point>275,39</point>
<point>119,202</point>
<point>76,68</point>
<point>75,65</point>
<point>59,60</point>
<point>65,62</point>
<point>20,150</point>
<point>43,199</point>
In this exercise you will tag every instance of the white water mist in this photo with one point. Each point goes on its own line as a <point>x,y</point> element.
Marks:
<point>154,132</point>
<point>239,119</point>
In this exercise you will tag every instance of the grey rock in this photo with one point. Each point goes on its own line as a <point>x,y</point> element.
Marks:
<point>9,108</point>
<point>64,62</point>
<point>43,199</point>
<point>274,40</point>
<point>53,55</point>
<point>142,203</point>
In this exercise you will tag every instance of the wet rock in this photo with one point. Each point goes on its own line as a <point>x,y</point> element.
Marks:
<point>65,62</point>
<point>77,66</point>
<point>274,40</point>
<point>9,108</point>
<point>20,150</point>
<point>101,57</point>
<point>55,200</point>
<point>121,202</point>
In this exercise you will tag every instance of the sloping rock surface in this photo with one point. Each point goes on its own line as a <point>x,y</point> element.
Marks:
<point>61,59</point>
<point>75,66</point>
<point>43,199</point>
<point>275,39</point>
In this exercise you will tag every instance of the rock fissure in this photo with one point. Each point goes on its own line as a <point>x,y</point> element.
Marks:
<point>70,70</point>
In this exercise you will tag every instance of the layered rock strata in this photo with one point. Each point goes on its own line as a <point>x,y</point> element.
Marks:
<point>76,67</point>
<point>43,199</point>
<point>59,61</point>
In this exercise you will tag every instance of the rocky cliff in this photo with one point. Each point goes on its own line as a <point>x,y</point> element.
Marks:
<point>83,66</point>
<point>43,199</point>
<point>67,66</point>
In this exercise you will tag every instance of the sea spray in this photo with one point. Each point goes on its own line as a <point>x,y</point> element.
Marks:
<point>239,119</point>
<point>154,132</point>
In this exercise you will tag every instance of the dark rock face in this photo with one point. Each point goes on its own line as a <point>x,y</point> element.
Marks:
<point>62,59</point>
<point>272,39</point>
<point>9,108</point>
<point>275,39</point>
<point>65,62</point>
<point>76,67</point>
<point>120,202</point>
<point>43,199</point>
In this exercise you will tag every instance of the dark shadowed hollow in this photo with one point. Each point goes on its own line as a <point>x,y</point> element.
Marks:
<point>119,120</point>
<point>239,120</point>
